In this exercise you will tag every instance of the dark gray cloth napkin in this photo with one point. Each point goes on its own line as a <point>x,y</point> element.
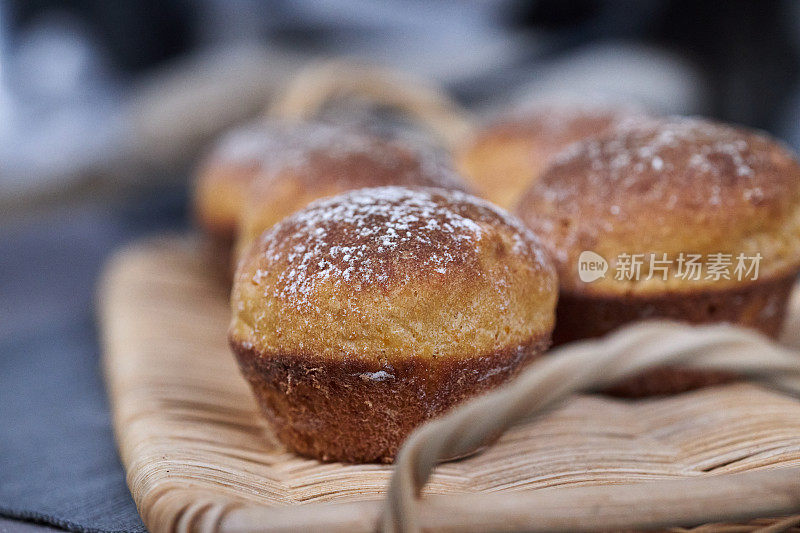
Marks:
<point>58,461</point>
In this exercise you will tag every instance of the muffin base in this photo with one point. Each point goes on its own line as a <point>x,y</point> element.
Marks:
<point>760,306</point>
<point>357,412</point>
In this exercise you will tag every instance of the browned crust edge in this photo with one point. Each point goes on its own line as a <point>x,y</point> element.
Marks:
<point>359,412</point>
<point>760,305</point>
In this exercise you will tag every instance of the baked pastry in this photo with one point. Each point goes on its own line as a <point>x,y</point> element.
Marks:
<point>258,174</point>
<point>366,314</point>
<point>309,161</point>
<point>679,218</point>
<point>222,182</point>
<point>508,154</point>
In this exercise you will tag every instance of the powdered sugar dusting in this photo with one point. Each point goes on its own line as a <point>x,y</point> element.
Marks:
<point>288,141</point>
<point>279,146</point>
<point>662,184</point>
<point>374,236</point>
<point>651,157</point>
<point>380,375</point>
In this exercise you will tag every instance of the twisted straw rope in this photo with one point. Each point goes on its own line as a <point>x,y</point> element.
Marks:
<point>584,366</point>
<point>307,93</point>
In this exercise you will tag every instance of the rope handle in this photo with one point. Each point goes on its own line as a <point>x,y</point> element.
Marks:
<point>430,106</point>
<point>578,367</point>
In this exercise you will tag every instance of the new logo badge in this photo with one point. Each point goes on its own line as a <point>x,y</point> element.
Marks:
<point>591,266</point>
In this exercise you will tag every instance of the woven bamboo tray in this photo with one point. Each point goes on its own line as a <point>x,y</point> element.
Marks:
<point>198,457</point>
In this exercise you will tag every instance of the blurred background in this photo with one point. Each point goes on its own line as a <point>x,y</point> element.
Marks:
<point>105,107</point>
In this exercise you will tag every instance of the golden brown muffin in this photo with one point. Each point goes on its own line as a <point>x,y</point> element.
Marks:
<point>223,180</point>
<point>366,314</point>
<point>661,194</point>
<point>312,160</point>
<point>507,155</point>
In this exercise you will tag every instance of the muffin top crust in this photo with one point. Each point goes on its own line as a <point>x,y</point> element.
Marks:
<point>668,186</point>
<point>505,156</point>
<point>557,125</point>
<point>391,273</point>
<point>307,161</point>
<point>224,177</point>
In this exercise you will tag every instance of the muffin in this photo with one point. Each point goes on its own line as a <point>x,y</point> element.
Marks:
<point>507,155</point>
<point>309,161</point>
<point>680,218</point>
<point>366,314</point>
<point>222,182</point>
